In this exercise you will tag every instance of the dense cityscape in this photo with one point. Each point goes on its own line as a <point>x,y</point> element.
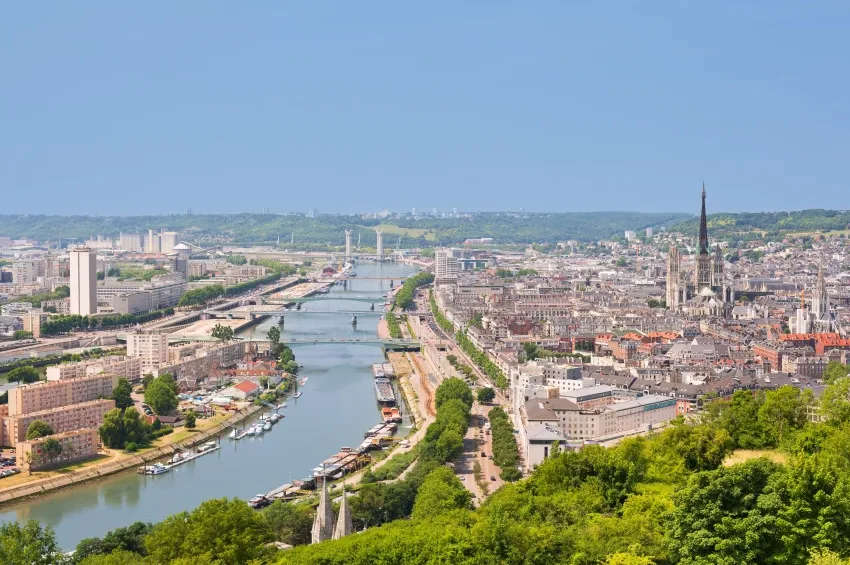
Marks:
<point>683,353</point>
<point>395,283</point>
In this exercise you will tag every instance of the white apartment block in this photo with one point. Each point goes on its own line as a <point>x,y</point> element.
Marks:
<point>565,378</point>
<point>151,348</point>
<point>447,266</point>
<point>128,367</point>
<point>83,281</point>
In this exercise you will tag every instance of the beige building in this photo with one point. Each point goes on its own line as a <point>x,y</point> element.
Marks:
<point>33,320</point>
<point>63,419</point>
<point>151,348</point>
<point>46,395</point>
<point>128,367</point>
<point>76,445</point>
<point>83,281</point>
<point>62,305</point>
<point>192,363</point>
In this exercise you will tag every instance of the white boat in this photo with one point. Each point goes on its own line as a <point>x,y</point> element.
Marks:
<point>267,426</point>
<point>276,418</point>
<point>156,469</point>
<point>207,446</point>
<point>258,429</point>
<point>232,434</point>
<point>250,431</point>
<point>297,394</point>
<point>279,406</point>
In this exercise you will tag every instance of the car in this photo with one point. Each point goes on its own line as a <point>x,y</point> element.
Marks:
<point>489,457</point>
<point>461,477</point>
<point>493,478</point>
<point>483,454</point>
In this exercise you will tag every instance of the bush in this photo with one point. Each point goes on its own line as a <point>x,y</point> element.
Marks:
<point>131,447</point>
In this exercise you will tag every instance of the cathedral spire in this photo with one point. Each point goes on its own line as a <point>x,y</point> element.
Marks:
<point>703,227</point>
<point>344,524</point>
<point>323,523</point>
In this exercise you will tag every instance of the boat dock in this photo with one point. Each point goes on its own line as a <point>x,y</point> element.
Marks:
<point>178,459</point>
<point>384,392</point>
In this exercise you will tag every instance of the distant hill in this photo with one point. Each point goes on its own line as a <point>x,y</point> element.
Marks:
<point>727,225</point>
<point>504,228</point>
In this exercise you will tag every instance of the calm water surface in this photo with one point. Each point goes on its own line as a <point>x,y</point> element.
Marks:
<point>337,406</point>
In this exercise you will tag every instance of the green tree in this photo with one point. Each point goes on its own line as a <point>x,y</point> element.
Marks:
<point>128,539</point>
<point>834,371</point>
<point>628,559</point>
<point>122,394</point>
<point>440,492</point>
<point>219,531</point>
<point>222,333</point>
<point>274,336</point>
<point>111,431</point>
<point>115,557</point>
<point>161,394</point>
<point>26,375</point>
<point>485,394</point>
<point>291,523</point>
<point>784,410</point>
<point>37,429</point>
<point>21,334</point>
<point>717,518</point>
<point>834,403</point>
<point>28,544</point>
<point>450,445</point>
<point>453,388</point>
<point>190,419</point>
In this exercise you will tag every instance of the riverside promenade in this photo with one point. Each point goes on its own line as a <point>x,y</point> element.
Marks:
<point>124,462</point>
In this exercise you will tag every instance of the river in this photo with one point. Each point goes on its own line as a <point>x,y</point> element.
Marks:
<point>336,407</point>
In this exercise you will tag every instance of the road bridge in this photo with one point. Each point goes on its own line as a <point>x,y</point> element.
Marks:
<point>320,297</point>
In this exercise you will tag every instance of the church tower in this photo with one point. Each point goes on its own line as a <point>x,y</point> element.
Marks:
<point>673,266</point>
<point>702,272</point>
<point>717,270</point>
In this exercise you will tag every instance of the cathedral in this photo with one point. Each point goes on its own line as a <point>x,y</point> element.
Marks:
<point>821,318</point>
<point>707,294</point>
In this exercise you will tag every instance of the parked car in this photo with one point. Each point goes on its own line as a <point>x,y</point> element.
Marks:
<point>492,477</point>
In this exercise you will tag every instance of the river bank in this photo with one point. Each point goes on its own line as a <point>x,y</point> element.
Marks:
<point>124,463</point>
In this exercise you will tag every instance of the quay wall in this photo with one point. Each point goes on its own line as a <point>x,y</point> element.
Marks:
<point>123,464</point>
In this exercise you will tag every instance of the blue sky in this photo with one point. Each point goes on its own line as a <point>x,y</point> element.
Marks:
<point>152,107</point>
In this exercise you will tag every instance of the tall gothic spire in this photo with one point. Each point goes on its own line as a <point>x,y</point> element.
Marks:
<point>344,525</point>
<point>323,523</point>
<point>703,227</point>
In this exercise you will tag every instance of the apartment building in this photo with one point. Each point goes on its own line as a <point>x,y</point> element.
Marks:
<point>192,363</point>
<point>128,367</point>
<point>46,395</point>
<point>151,348</point>
<point>83,281</point>
<point>62,419</point>
<point>603,421</point>
<point>76,445</point>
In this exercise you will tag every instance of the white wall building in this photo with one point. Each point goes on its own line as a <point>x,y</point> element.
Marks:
<point>152,348</point>
<point>447,266</point>
<point>83,281</point>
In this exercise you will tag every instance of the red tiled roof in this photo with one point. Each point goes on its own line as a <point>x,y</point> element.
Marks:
<point>246,386</point>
